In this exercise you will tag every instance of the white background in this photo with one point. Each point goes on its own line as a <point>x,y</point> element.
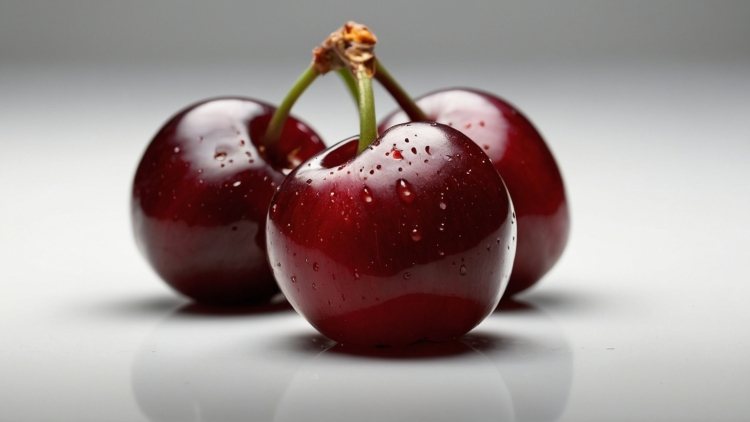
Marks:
<point>646,106</point>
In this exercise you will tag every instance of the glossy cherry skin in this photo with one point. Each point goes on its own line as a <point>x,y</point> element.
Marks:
<point>411,239</point>
<point>201,194</point>
<point>527,166</point>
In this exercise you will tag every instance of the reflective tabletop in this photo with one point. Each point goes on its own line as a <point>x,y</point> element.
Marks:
<point>645,317</point>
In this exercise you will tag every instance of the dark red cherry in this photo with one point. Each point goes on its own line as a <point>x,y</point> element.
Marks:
<point>201,194</point>
<point>526,164</point>
<point>410,239</point>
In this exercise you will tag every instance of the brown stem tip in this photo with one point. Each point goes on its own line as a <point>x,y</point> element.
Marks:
<point>351,46</point>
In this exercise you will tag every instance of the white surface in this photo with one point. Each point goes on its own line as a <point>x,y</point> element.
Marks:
<point>644,318</point>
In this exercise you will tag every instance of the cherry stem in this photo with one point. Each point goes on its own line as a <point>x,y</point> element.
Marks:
<point>368,128</point>
<point>402,98</point>
<point>351,83</point>
<point>276,126</point>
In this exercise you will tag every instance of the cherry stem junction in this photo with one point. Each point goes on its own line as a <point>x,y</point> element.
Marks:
<point>350,52</point>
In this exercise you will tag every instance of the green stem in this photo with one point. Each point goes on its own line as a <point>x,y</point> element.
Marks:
<point>350,82</point>
<point>275,127</point>
<point>368,129</point>
<point>402,98</point>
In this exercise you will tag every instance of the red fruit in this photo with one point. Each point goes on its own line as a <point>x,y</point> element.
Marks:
<point>526,164</point>
<point>201,194</point>
<point>411,239</point>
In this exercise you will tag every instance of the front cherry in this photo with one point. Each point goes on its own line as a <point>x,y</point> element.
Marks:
<point>411,239</point>
<point>201,194</point>
<point>526,164</point>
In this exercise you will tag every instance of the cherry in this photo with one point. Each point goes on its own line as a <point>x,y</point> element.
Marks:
<point>201,194</point>
<point>524,161</point>
<point>410,239</point>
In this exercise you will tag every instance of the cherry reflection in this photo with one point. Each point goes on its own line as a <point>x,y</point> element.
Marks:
<point>516,367</point>
<point>199,365</point>
<point>421,382</point>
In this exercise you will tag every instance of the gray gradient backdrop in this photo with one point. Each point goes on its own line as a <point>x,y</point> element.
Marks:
<point>498,31</point>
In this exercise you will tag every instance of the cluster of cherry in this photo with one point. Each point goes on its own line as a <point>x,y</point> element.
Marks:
<point>411,231</point>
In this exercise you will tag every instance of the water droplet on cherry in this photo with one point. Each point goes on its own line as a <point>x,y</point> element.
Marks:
<point>442,205</point>
<point>294,279</point>
<point>220,156</point>
<point>366,195</point>
<point>462,270</point>
<point>416,235</point>
<point>404,191</point>
<point>407,276</point>
<point>315,266</point>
